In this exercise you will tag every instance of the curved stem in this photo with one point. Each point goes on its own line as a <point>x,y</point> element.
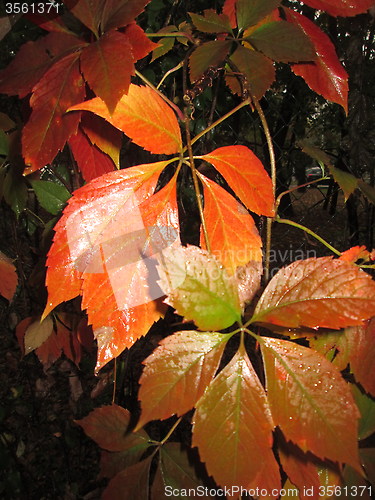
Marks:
<point>176,68</point>
<point>311,233</point>
<point>273,178</point>
<point>170,432</point>
<point>196,184</point>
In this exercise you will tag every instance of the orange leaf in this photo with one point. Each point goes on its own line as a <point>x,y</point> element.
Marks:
<point>355,253</point>
<point>317,293</point>
<point>103,135</point>
<point>233,428</point>
<point>229,9</point>
<point>188,361</point>
<point>141,45</point>
<point>90,160</point>
<point>310,401</point>
<point>8,277</point>
<point>325,75</point>
<point>246,175</point>
<point>48,127</point>
<point>362,355</point>
<point>87,11</point>
<point>144,117</point>
<point>232,234</point>
<point>118,13</point>
<point>107,66</point>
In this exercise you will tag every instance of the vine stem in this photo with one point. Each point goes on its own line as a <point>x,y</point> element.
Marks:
<point>196,183</point>
<point>170,432</point>
<point>271,152</point>
<point>311,233</point>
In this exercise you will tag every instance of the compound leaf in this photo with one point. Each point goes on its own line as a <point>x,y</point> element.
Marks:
<point>321,292</point>
<point>233,426</point>
<point>118,13</point>
<point>177,373</point>
<point>246,175</point>
<point>249,13</point>
<point>144,117</point>
<point>211,22</point>
<point>199,288</point>
<point>310,401</point>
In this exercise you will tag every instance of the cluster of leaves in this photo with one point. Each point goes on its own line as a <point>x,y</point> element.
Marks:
<point>122,223</point>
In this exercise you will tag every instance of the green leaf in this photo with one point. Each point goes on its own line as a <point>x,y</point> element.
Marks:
<point>347,182</point>
<point>188,361</point>
<point>367,190</point>
<point>15,191</point>
<point>165,43</point>
<point>249,13</point>
<point>206,55</point>
<point>199,288</point>
<point>257,68</point>
<point>4,146</point>
<point>211,22</point>
<point>174,472</point>
<point>51,196</point>
<point>282,42</point>
<point>233,428</point>
<point>366,406</point>
<point>310,401</point>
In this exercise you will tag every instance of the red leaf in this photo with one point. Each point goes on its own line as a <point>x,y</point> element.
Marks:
<point>246,175</point>
<point>133,482</point>
<point>144,117</point>
<point>341,7</point>
<point>188,361</point>
<point>310,401</point>
<point>226,219</point>
<point>229,9</point>
<point>257,68</point>
<point>107,66</point>
<point>317,293</point>
<point>206,55</point>
<point>87,11</point>
<point>108,426</point>
<point>8,277</point>
<point>355,253</point>
<point>32,61</point>
<point>362,355</point>
<point>118,13</point>
<point>90,160</point>
<point>325,75</point>
<point>141,45</point>
<point>48,127</point>
<point>233,428</point>
<point>103,135</point>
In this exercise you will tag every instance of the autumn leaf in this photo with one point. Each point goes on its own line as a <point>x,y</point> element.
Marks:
<point>366,407</point>
<point>232,427</point>
<point>341,7</point>
<point>246,175</point>
<point>37,333</point>
<point>48,127</point>
<point>91,161</point>
<point>132,482</point>
<point>249,13</point>
<point>165,43</point>
<point>325,75</point>
<point>140,44</point>
<point>9,278</point>
<point>87,11</point>
<point>118,13</point>
<point>229,9</point>
<point>362,355</point>
<point>143,116</point>
<point>188,361</point>
<point>355,253</point>
<point>257,68</point>
<point>206,55</point>
<point>211,22</point>
<point>225,219</point>
<point>310,401</point>
<point>107,66</point>
<point>103,135</point>
<point>199,288</point>
<point>322,292</point>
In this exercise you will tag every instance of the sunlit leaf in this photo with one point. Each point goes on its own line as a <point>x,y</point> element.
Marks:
<point>37,333</point>
<point>257,68</point>
<point>226,219</point>
<point>310,401</point>
<point>321,292</point>
<point>211,22</point>
<point>106,137</point>
<point>165,43</point>
<point>48,127</point>
<point>209,54</point>
<point>353,254</point>
<point>132,482</point>
<point>91,161</point>
<point>188,361</point>
<point>246,175</point>
<point>233,427</point>
<point>118,13</point>
<point>8,277</point>
<point>362,355</point>
<point>141,45</point>
<point>108,65</point>
<point>249,13</point>
<point>51,196</point>
<point>341,7</point>
<point>199,288</point>
<point>347,182</point>
<point>325,75</point>
<point>283,42</point>
<point>247,279</point>
<point>144,117</point>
